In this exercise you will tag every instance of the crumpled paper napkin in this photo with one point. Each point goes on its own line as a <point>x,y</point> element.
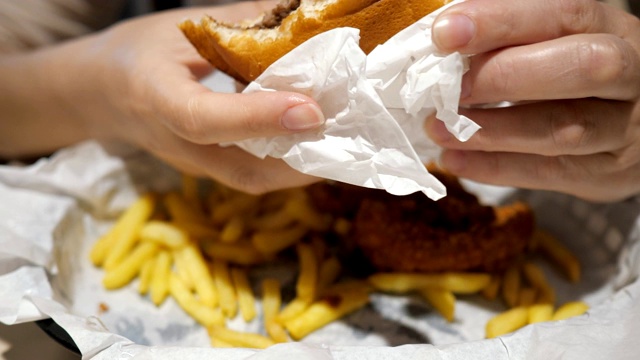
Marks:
<point>375,108</point>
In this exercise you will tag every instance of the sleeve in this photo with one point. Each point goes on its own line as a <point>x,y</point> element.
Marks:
<point>28,24</point>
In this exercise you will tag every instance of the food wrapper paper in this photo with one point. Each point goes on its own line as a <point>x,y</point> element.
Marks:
<point>53,211</point>
<point>375,106</point>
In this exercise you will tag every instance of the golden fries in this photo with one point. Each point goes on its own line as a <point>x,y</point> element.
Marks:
<point>225,288</point>
<point>507,322</point>
<point>246,300</point>
<point>160,277</point>
<point>328,309</point>
<point>570,309</point>
<point>271,301</point>
<point>240,339</point>
<point>459,283</point>
<point>124,235</point>
<point>559,255</point>
<point>540,313</point>
<point>189,250</point>
<point>199,273</point>
<point>442,300</point>
<point>164,234</point>
<point>205,315</point>
<point>129,267</point>
<point>308,278</point>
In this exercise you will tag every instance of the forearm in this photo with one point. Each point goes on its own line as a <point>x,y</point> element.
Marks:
<point>36,117</point>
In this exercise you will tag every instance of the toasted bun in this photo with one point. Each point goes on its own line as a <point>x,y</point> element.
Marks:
<point>244,51</point>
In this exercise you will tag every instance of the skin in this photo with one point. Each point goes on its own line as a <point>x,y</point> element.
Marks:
<point>573,68</point>
<point>137,82</point>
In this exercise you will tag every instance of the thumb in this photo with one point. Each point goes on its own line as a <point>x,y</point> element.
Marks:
<point>205,117</point>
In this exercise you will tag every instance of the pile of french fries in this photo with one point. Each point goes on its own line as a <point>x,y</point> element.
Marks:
<point>198,247</point>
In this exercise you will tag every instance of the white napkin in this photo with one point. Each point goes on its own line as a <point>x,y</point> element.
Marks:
<point>375,107</point>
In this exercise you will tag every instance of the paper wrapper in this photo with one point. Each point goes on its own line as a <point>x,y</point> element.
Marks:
<point>375,108</point>
<point>53,211</point>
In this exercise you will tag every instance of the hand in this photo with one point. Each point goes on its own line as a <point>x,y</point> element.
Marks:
<point>573,69</point>
<point>138,82</point>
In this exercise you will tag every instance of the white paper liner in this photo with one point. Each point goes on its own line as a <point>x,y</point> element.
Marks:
<point>62,283</point>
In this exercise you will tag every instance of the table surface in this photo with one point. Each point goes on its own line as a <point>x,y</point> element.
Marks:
<point>27,341</point>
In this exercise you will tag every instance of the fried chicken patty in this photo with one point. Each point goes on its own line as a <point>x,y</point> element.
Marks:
<point>416,234</point>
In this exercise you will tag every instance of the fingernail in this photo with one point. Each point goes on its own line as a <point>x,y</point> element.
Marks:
<point>454,161</point>
<point>453,31</point>
<point>302,117</point>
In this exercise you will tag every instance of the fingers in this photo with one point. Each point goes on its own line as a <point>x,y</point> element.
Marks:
<point>573,67</point>
<point>233,167</point>
<point>477,26</point>
<point>573,127</point>
<point>204,117</point>
<point>589,177</point>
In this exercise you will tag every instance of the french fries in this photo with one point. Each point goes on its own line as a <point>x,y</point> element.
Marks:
<point>200,255</point>
<point>459,283</point>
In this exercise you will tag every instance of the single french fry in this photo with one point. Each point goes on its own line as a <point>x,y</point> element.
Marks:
<point>273,241</point>
<point>225,287</point>
<point>182,211</point>
<point>190,190</point>
<point>559,255</point>
<point>240,203</point>
<point>124,233</point>
<point>307,284</point>
<point>246,299</point>
<point>218,343</point>
<point>534,275</point>
<point>240,339</point>
<point>329,271</point>
<point>490,292</point>
<point>459,283</point>
<point>527,296</point>
<point>160,277</point>
<point>506,322</point>
<point>511,283</point>
<point>199,273</point>
<point>271,302</point>
<point>327,309</point>
<point>540,313</point>
<point>197,230</point>
<point>165,234</point>
<point>233,230</point>
<point>273,220</point>
<point>299,208</point>
<point>342,226</point>
<point>237,253</point>
<point>146,273</point>
<point>181,269</point>
<point>129,267</point>
<point>569,310</point>
<point>294,308</point>
<point>442,300</point>
<point>203,314</point>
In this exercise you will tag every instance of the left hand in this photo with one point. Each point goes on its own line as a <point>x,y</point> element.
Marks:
<point>573,68</point>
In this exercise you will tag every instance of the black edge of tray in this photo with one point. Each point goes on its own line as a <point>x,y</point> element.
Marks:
<point>58,334</point>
